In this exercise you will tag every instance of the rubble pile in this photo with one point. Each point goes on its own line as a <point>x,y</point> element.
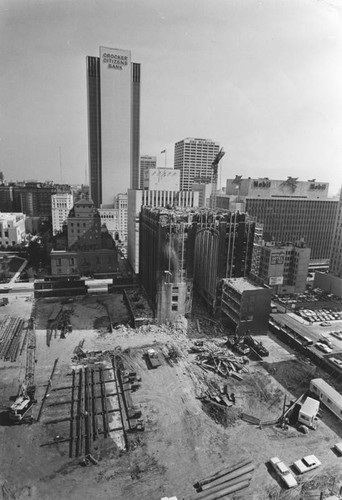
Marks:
<point>218,360</point>
<point>222,415</point>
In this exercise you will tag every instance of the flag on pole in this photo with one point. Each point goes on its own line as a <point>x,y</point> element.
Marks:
<point>164,151</point>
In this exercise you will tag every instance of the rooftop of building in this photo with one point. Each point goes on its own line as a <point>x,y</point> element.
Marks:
<point>11,215</point>
<point>196,139</point>
<point>84,201</point>
<point>242,284</point>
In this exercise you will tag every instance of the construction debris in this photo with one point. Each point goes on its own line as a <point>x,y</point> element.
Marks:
<point>221,362</point>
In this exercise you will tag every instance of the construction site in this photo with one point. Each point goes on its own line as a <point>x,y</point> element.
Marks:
<point>94,408</point>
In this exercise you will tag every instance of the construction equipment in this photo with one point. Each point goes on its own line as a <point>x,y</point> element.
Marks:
<point>19,409</point>
<point>153,358</point>
<point>214,166</point>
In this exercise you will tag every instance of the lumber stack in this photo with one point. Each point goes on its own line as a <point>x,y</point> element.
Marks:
<point>225,481</point>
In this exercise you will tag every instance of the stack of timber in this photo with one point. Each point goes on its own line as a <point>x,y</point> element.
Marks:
<point>225,481</point>
<point>222,363</point>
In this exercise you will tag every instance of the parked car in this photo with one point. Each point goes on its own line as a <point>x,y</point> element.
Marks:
<point>323,347</point>
<point>336,361</point>
<point>338,447</point>
<point>338,335</point>
<point>283,472</point>
<point>306,464</point>
<point>324,340</point>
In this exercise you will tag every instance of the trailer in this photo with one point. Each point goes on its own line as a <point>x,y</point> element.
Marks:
<point>308,413</point>
<point>327,395</point>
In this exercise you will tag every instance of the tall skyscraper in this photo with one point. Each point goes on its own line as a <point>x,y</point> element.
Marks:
<point>193,157</point>
<point>113,88</point>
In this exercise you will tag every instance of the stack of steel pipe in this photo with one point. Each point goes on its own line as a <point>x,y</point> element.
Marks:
<point>225,481</point>
<point>11,339</point>
<point>6,331</point>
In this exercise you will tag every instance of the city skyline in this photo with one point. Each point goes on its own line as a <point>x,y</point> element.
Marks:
<point>261,78</point>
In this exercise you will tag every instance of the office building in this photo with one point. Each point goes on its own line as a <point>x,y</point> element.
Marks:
<point>193,157</point>
<point>161,179</point>
<point>12,229</point>
<point>157,198</point>
<point>245,305</point>
<point>223,249</point>
<point>204,192</point>
<point>335,267</point>
<point>331,282</point>
<point>61,204</point>
<point>185,248</point>
<point>89,248</point>
<point>115,218</point>
<point>290,211</point>
<point>284,268</point>
<point>113,89</point>
<point>164,259</point>
<point>146,162</point>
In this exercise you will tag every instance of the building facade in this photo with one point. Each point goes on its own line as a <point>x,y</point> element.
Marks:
<point>162,179</point>
<point>204,193</point>
<point>246,306</point>
<point>115,218</point>
<point>12,229</point>
<point>157,198</point>
<point>331,282</point>
<point>335,267</point>
<point>185,248</point>
<point>164,260</point>
<point>89,247</point>
<point>113,89</point>
<point>284,268</point>
<point>146,162</point>
<point>193,157</point>
<point>61,204</point>
<point>223,249</point>
<point>289,210</point>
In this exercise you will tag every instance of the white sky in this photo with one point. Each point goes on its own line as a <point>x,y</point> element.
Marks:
<point>262,77</point>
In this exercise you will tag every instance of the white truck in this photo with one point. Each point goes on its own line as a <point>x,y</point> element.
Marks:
<point>308,413</point>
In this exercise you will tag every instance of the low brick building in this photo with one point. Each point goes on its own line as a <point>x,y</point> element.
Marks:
<point>89,249</point>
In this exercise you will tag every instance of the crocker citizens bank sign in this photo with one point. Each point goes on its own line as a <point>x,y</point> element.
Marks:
<point>114,61</point>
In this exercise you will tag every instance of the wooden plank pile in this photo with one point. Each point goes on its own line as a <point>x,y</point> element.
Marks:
<point>225,481</point>
<point>222,362</point>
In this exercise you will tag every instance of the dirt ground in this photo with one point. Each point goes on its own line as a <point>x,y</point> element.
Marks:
<point>183,441</point>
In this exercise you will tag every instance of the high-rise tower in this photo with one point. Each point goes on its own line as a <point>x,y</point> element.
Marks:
<point>113,89</point>
<point>193,157</point>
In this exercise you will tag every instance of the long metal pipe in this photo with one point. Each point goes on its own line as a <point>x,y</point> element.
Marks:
<point>221,492</point>
<point>223,472</point>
